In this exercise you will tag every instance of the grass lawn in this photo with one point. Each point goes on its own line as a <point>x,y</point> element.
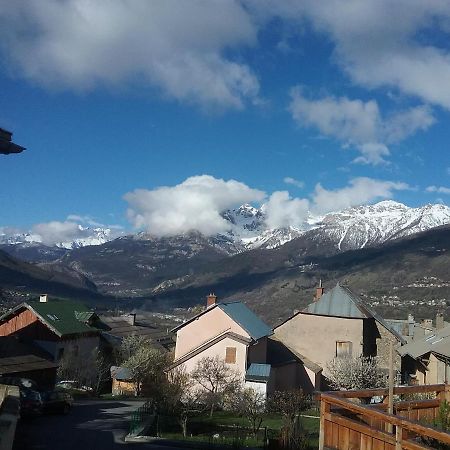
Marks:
<point>231,428</point>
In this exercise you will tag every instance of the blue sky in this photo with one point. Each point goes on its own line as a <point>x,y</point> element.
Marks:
<point>139,95</point>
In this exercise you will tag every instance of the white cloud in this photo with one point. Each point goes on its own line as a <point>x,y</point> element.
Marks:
<point>283,211</point>
<point>379,43</point>
<point>55,232</point>
<point>358,124</point>
<point>294,182</point>
<point>194,204</point>
<point>177,47</point>
<point>439,189</point>
<point>360,191</point>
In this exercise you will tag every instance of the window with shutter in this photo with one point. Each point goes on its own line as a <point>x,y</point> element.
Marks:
<point>230,355</point>
<point>343,348</point>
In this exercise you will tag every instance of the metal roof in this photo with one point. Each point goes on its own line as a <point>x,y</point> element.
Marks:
<point>436,342</point>
<point>342,302</point>
<point>25,363</point>
<point>242,315</point>
<point>121,373</point>
<point>247,319</point>
<point>258,372</point>
<point>64,317</point>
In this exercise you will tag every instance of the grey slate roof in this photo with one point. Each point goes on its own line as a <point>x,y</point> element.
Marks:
<point>237,311</point>
<point>121,373</point>
<point>437,342</point>
<point>258,372</point>
<point>342,302</point>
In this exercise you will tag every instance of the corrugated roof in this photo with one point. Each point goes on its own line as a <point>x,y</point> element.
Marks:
<point>437,342</point>
<point>258,372</point>
<point>25,363</point>
<point>64,317</point>
<point>342,302</point>
<point>247,319</point>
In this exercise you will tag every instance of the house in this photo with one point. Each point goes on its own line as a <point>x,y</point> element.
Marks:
<point>21,360</point>
<point>337,323</point>
<point>122,381</point>
<point>431,352</point>
<point>132,324</point>
<point>56,326</point>
<point>230,331</point>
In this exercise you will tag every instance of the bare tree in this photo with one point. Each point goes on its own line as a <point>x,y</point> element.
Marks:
<point>290,404</point>
<point>356,373</point>
<point>216,381</point>
<point>251,404</point>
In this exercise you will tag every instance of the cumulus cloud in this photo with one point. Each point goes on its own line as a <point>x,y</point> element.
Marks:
<point>294,182</point>
<point>194,204</point>
<point>379,43</point>
<point>439,189</point>
<point>283,211</point>
<point>177,47</point>
<point>55,232</point>
<point>359,124</point>
<point>359,191</point>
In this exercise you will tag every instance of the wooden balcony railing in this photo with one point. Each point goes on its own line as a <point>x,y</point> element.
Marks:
<point>346,423</point>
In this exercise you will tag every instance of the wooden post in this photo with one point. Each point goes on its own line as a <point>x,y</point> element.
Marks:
<point>398,437</point>
<point>324,408</point>
<point>391,385</point>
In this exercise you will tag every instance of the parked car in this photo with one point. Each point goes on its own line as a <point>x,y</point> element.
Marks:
<point>30,403</point>
<point>56,402</point>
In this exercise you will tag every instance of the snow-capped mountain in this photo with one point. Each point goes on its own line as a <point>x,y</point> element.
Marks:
<point>86,236</point>
<point>352,228</point>
<point>369,225</point>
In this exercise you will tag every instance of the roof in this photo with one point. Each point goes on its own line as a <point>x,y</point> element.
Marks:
<point>437,342</point>
<point>6,144</point>
<point>121,373</point>
<point>242,315</point>
<point>258,372</point>
<point>17,356</point>
<point>64,317</point>
<point>342,302</point>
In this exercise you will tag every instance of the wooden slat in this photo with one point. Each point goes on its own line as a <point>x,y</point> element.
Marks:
<point>366,442</point>
<point>344,437</point>
<point>365,393</point>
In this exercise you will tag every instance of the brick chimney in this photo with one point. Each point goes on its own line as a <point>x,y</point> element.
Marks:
<point>439,321</point>
<point>211,300</point>
<point>43,298</point>
<point>319,291</point>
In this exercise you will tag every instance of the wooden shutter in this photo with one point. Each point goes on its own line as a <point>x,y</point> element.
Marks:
<point>230,355</point>
<point>343,348</point>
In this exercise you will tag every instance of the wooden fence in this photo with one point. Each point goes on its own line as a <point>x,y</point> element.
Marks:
<point>346,423</point>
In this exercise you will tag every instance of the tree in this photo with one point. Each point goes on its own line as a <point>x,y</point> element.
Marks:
<point>356,373</point>
<point>216,381</point>
<point>146,363</point>
<point>289,404</point>
<point>251,404</point>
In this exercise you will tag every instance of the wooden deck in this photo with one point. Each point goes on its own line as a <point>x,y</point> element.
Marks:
<point>348,424</point>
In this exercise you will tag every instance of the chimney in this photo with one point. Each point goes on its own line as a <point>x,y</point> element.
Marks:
<point>319,291</point>
<point>427,325</point>
<point>211,300</point>
<point>439,321</point>
<point>131,318</point>
<point>43,298</point>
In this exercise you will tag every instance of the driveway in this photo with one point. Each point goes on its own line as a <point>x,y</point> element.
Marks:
<point>96,425</point>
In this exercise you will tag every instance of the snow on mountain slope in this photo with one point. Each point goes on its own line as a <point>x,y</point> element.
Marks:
<point>351,228</point>
<point>369,225</point>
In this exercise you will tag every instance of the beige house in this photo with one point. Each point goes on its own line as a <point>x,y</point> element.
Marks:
<point>230,331</point>
<point>337,323</point>
<point>431,352</point>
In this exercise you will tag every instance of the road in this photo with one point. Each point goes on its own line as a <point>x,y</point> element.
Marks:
<point>90,425</point>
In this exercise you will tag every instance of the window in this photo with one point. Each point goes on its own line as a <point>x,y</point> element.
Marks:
<point>343,348</point>
<point>230,355</point>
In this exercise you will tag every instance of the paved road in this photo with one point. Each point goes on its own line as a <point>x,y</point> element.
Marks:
<point>90,425</point>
